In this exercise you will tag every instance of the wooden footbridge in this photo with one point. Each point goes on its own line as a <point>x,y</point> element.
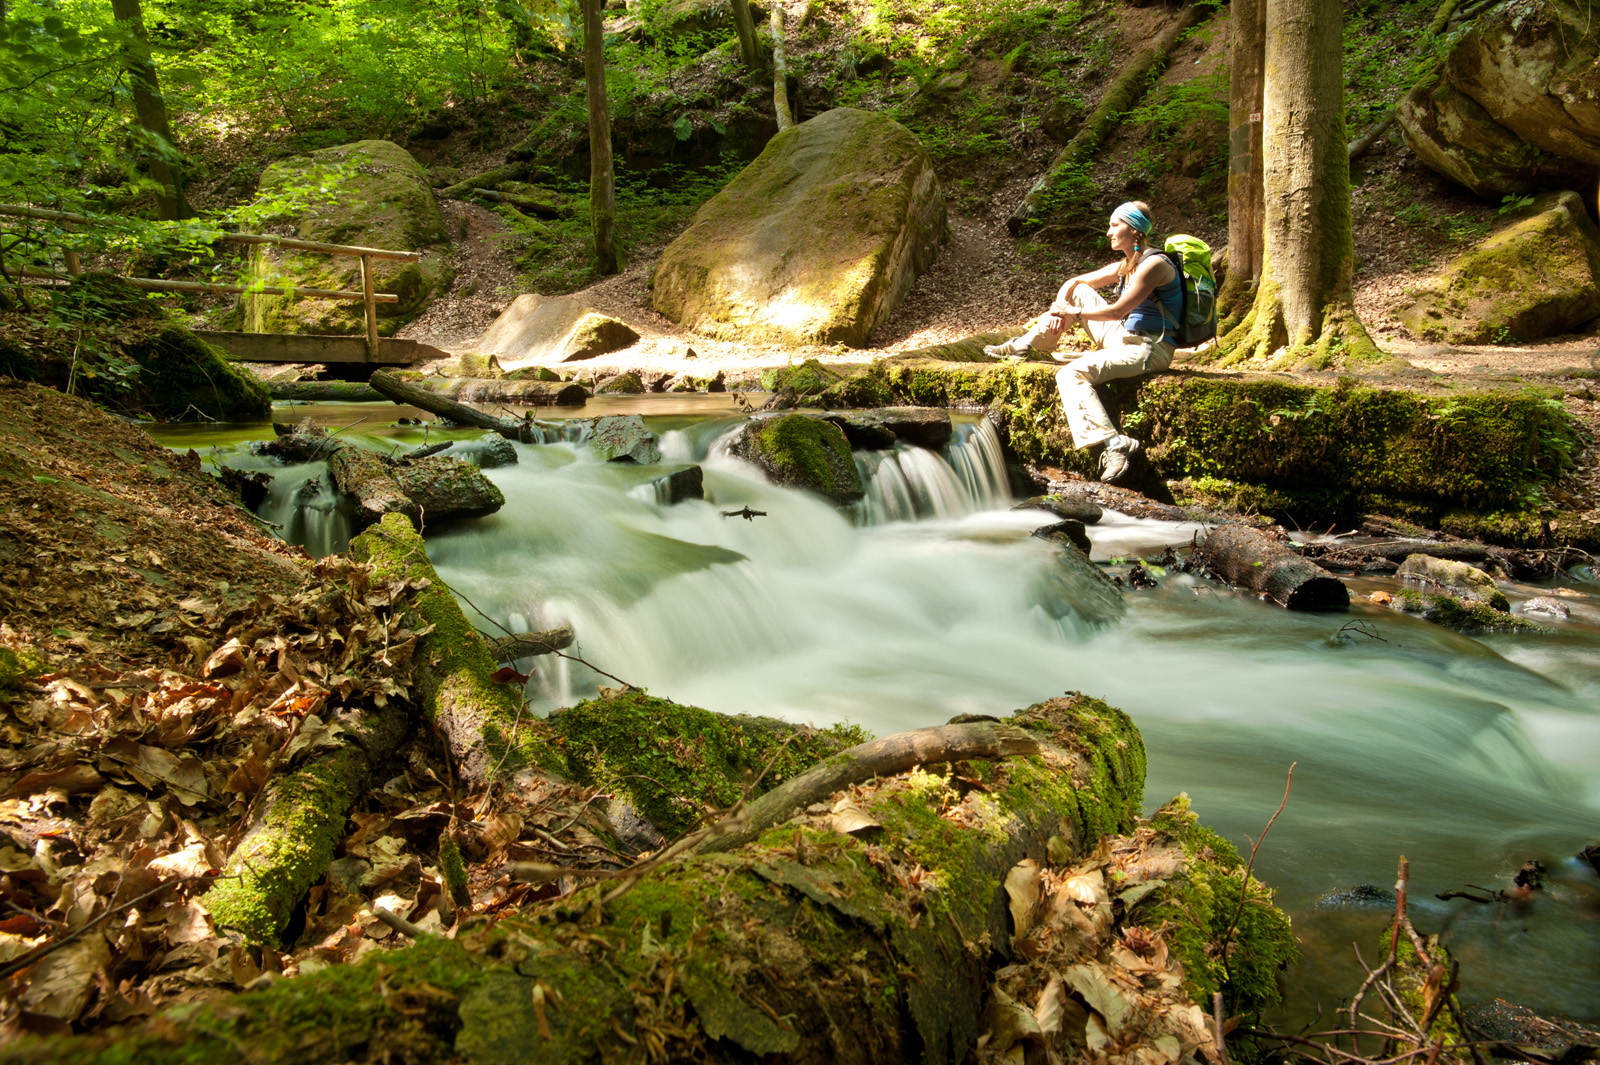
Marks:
<point>266,347</point>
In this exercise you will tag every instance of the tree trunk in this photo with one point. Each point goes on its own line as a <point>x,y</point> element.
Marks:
<point>151,108</point>
<point>745,25</point>
<point>780,71</point>
<point>1304,299</point>
<point>1250,560</point>
<point>1247,22</point>
<point>1131,84</point>
<point>602,192</point>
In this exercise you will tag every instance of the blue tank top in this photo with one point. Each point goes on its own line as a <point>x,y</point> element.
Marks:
<point>1147,317</point>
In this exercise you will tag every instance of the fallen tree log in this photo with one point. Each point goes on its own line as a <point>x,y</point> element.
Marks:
<point>487,179</point>
<point>526,204</point>
<point>520,429</point>
<point>1251,560</point>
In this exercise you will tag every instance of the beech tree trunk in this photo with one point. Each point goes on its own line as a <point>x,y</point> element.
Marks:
<point>151,108</point>
<point>1257,563</point>
<point>602,189</point>
<point>745,25</point>
<point>780,71</point>
<point>1246,75</point>
<point>1304,300</point>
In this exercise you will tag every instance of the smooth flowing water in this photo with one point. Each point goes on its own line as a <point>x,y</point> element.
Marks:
<point>931,598</point>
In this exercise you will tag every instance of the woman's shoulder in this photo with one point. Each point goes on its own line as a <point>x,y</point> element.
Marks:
<point>1157,266</point>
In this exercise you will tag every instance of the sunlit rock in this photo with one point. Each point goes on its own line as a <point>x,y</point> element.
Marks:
<point>544,330</point>
<point>1535,278</point>
<point>815,242</point>
<point>1522,73</point>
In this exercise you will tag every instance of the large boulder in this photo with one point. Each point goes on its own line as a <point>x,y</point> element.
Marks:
<point>1534,278</point>
<point>543,330</point>
<point>1523,73</point>
<point>801,452</point>
<point>382,199</point>
<point>1452,133</point>
<point>816,242</point>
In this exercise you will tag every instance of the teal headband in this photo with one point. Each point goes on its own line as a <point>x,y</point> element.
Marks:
<point>1133,216</point>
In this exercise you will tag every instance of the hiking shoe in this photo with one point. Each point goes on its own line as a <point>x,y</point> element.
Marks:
<point>1008,350</point>
<point>1114,459</point>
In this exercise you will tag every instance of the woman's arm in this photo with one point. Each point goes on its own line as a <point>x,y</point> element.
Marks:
<point>1095,279</point>
<point>1153,271</point>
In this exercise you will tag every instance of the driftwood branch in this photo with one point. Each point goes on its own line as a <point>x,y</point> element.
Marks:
<point>524,644</point>
<point>879,758</point>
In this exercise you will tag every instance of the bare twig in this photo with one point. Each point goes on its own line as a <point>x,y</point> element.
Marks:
<point>1226,939</point>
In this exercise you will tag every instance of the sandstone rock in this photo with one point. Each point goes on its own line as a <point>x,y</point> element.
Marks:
<point>447,489</point>
<point>1547,606</point>
<point>675,487</point>
<point>623,438</point>
<point>801,452</point>
<point>1457,578</point>
<point>1535,278</point>
<point>1452,133</point>
<point>477,365</point>
<point>545,330</point>
<point>384,201</point>
<point>927,427</point>
<point>495,451</point>
<point>1521,73</point>
<point>751,264</point>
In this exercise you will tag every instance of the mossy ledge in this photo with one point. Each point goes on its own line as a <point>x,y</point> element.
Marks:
<point>1481,461</point>
<point>810,942</point>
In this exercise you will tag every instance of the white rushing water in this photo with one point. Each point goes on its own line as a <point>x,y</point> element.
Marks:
<point>931,598</point>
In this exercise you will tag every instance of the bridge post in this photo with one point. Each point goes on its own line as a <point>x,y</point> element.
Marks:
<point>372,308</point>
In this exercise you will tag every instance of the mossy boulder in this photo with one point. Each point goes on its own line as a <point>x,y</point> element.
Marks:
<point>751,264</point>
<point>1458,612</point>
<point>801,452</point>
<point>545,330</point>
<point>1456,578</point>
<point>125,352</point>
<point>623,384</point>
<point>382,200</point>
<point>1521,73</point>
<point>1535,278</point>
<point>475,365</point>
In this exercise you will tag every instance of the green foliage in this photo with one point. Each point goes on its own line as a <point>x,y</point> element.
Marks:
<point>1187,124</point>
<point>556,256</point>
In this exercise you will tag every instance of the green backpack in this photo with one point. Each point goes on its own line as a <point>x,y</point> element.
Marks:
<point>1191,257</point>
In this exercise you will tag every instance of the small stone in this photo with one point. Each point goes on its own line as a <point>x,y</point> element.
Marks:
<point>1545,606</point>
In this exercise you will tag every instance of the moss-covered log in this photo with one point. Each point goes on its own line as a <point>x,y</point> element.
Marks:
<point>290,842</point>
<point>1476,464</point>
<point>871,929</point>
<point>481,723</point>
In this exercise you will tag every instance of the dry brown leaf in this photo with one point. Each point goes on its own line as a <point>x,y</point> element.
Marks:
<point>849,817</point>
<point>1022,889</point>
<point>60,984</point>
<point>71,780</point>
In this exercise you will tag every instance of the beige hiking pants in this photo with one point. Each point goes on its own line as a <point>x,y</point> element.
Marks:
<point>1120,354</point>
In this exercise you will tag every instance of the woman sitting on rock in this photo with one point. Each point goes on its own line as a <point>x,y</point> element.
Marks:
<point>1132,332</point>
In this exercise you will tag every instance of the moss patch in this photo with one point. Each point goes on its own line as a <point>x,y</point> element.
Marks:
<point>675,762</point>
<point>1242,963</point>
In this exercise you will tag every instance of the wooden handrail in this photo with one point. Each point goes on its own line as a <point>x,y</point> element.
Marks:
<point>158,284</point>
<point>369,298</point>
<point>229,238</point>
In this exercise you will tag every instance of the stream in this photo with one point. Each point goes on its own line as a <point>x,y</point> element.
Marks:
<point>1467,755</point>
